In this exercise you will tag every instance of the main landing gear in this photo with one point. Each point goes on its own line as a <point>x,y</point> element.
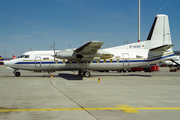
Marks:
<point>84,73</point>
<point>17,73</point>
<point>84,69</point>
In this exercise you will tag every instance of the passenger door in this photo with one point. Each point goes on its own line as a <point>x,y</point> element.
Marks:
<point>37,61</point>
<point>126,61</point>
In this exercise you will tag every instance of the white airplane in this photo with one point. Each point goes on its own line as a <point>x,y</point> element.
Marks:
<point>156,48</point>
<point>174,61</point>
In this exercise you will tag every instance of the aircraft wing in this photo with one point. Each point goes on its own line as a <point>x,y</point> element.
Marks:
<point>87,52</point>
<point>89,48</point>
<point>162,48</point>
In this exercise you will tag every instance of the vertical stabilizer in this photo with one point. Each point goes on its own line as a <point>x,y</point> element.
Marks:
<point>160,32</point>
<point>1,59</point>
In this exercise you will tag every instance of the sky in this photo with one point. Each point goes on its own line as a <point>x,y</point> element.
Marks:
<point>36,24</point>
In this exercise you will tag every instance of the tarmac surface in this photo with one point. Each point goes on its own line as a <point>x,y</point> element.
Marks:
<point>67,96</point>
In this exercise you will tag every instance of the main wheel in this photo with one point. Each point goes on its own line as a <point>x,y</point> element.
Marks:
<point>80,72</point>
<point>17,74</point>
<point>87,74</point>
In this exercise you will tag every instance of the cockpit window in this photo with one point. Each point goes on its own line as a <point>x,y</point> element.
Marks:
<point>27,56</point>
<point>22,56</point>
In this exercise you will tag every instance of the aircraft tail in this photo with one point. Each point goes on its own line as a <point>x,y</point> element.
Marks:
<point>14,57</point>
<point>159,35</point>
<point>1,59</point>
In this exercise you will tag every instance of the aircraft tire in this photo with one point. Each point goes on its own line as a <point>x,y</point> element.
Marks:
<point>145,70</point>
<point>17,74</point>
<point>87,74</point>
<point>80,72</point>
<point>119,71</point>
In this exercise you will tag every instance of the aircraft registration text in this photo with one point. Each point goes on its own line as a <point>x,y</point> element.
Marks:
<point>134,46</point>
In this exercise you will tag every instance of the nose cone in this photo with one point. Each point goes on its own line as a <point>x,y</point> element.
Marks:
<point>9,63</point>
<point>5,63</point>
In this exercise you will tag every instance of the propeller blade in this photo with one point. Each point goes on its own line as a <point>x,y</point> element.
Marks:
<point>56,61</point>
<point>54,50</point>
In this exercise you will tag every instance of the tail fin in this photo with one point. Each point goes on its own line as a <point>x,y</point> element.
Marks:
<point>159,34</point>
<point>14,57</point>
<point>1,59</point>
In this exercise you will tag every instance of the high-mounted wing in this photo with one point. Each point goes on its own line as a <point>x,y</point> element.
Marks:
<point>89,48</point>
<point>87,52</point>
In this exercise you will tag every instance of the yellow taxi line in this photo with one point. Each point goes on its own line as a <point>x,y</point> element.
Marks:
<point>125,108</point>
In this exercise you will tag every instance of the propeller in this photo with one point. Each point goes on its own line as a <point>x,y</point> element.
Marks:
<point>54,50</point>
<point>56,61</point>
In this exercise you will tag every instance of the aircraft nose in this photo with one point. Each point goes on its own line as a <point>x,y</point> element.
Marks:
<point>10,64</point>
<point>5,63</point>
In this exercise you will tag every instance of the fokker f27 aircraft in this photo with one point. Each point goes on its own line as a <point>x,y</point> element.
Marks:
<point>156,48</point>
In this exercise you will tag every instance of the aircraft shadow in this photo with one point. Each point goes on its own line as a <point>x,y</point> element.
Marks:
<point>70,76</point>
<point>138,75</point>
<point>62,75</point>
<point>76,77</point>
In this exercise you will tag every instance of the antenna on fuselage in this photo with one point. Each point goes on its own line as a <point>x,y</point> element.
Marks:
<point>31,49</point>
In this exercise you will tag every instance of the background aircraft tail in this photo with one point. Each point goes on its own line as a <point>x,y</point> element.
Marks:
<point>14,57</point>
<point>159,34</point>
<point>1,59</point>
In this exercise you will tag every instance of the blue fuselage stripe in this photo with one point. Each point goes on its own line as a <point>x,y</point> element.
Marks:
<point>108,61</point>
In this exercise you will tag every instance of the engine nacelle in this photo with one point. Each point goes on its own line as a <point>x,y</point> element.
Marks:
<point>70,54</point>
<point>106,55</point>
<point>65,54</point>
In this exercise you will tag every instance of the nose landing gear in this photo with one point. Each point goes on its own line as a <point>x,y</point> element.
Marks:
<point>17,73</point>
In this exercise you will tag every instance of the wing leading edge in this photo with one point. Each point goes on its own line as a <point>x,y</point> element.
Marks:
<point>89,48</point>
<point>87,52</point>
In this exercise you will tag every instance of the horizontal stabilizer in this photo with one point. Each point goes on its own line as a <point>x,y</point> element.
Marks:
<point>162,48</point>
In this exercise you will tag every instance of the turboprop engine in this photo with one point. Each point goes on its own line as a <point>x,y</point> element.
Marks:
<point>70,54</point>
<point>65,54</point>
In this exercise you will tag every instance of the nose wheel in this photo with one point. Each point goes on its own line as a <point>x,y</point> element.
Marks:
<point>17,73</point>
